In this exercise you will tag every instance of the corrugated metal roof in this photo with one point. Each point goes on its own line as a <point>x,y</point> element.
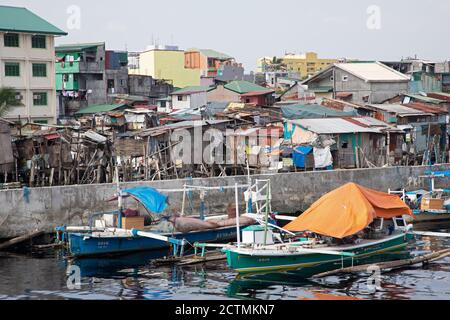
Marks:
<point>371,122</point>
<point>192,89</point>
<point>17,19</point>
<point>372,71</point>
<point>215,54</point>
<point>101,108</point>
<point>333,126</point>
<point>425,99</point>
<point>440,95</point>
<point>78,46</point>
<point>397,109</point>
<point>241,86</point>
<point>427,108</point>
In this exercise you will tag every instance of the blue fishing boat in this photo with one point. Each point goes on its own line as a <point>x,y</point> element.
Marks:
<point>125,231</point>
<point>121,241</point>
<point>431,205</point>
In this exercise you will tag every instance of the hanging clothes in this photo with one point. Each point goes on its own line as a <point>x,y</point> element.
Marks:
<point>323,158</point>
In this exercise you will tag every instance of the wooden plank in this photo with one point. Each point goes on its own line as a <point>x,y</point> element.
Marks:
<point>18,240</point>
<point>200,260</point>
<point>434,256</point>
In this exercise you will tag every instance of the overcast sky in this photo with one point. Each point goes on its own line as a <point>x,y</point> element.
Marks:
<point>247,29</point>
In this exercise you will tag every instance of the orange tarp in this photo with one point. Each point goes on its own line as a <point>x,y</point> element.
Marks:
<point>347,211</point>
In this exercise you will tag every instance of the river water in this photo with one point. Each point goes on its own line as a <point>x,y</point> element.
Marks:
<point>44,275</point>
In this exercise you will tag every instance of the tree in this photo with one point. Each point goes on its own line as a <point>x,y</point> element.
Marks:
<point>7,100</point>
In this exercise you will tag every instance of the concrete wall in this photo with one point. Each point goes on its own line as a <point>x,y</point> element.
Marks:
<point>46,208</point>
<point>220,94</point>
<point>167,65</point>
<point>377,92</point>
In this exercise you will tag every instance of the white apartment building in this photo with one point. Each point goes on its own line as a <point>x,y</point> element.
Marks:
<point>27,64</point>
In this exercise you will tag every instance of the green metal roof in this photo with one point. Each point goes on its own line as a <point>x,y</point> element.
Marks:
<point>78,46</point>
<point>17,19</point>
<point>242,87</point>
<point>215,54</point>
<point>192,89</point>
<point>312,111</point>
<point>100,108</point>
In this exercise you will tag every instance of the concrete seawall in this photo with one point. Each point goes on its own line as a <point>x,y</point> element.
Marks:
<point>46,208</point>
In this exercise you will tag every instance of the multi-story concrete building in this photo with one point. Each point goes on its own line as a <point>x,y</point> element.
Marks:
<point>359,82</point>
<point>209,62</point>
<point>165,63</point>
<point>86,74</point>
<point>305,65</point>
<point>27,64</point>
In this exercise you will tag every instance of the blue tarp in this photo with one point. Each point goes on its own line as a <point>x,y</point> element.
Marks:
<point>299,155</point>
<point>440,173</point>
<point>150,198</point>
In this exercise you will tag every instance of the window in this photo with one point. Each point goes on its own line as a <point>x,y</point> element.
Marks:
<point>38,42</point>
<point>180,98</point>
<point>345,78</point>
<point>19,97</point>
<point>11,40</point>
<point>12,69</point>
<point>40,98</point>
<point>40,121</point>
<point>111,84</point>
<point>39,70</point>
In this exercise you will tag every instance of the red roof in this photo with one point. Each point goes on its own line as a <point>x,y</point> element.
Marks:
<point>343,94</point>
<point>437,95</point>
<point>426,107</point>
<point>256,93</point>
<point>53,136</point>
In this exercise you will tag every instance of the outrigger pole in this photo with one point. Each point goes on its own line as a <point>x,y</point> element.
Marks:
<point>175,242</point>
<point>431,234</point>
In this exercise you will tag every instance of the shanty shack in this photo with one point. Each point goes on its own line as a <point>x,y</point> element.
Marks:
<point>425,128</point>
<point>348,142</point>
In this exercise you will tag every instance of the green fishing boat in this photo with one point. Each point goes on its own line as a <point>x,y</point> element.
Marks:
<point>295,258</point>
<point>349,226</point>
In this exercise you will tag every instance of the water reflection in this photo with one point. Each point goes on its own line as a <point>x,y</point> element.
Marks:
<point>43,276</point>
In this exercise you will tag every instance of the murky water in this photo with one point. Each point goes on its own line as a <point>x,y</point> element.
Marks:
<point>44,276</point>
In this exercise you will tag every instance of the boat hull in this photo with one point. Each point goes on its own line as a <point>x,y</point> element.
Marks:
<point>426,216</point>
<point>83,245</point>
<point>311,263</point>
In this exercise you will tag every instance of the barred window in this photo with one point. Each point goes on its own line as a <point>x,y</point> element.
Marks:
<point>39,70</point>
<point>12,69</point>
<point>11,40</point>
<point>38,42</point>
<point>40,98</point>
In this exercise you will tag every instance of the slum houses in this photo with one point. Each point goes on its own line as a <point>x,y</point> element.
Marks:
<point>243,128</point>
